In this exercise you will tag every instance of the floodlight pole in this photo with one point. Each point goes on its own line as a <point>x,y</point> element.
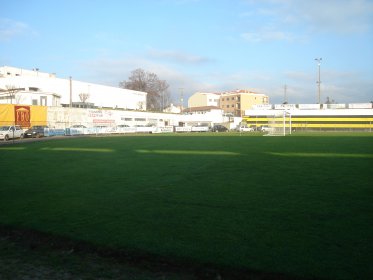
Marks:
<point>319,82</point>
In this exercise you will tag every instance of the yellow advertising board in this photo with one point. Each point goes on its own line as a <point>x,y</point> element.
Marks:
<point>38,115</point>
<point>6,114</point>
<point>23,115</point>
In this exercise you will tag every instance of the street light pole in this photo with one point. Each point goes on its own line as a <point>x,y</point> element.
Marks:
<point>319,82</point>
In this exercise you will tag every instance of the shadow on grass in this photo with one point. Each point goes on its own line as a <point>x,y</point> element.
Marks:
<point>58,255</point>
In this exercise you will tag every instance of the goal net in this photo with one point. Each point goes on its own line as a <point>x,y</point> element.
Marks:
<point>279,124</point>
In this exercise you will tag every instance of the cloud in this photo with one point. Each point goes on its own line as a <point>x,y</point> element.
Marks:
<point>267,35</point>
<point>297,21</point>
<point>299,76</point>
<point>10,29</point>
<point>341,86</point>
<point>341,16</point>
<point>335,16</point>
<point>111,71</point>
<point>178,57</point>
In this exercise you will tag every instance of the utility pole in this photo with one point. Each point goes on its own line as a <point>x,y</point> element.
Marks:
<point>181,98</point>
<point>319,81</point>
<point>285,97</point>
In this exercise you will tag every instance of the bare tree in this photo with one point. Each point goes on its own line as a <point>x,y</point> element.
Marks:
<point>12,91</point>
<point>158,96</point>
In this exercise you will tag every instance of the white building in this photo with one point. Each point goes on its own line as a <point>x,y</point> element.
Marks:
<point>173,109</point>
<point>31,87</point>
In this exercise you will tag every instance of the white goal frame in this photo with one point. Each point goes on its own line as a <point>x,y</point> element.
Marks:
<point>279,124</point>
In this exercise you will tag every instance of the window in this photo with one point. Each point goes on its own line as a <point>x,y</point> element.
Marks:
<point>34,102</point>
<point>43,100</point>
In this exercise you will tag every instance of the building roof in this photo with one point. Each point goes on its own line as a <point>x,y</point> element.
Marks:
<point>241,91</point>
<point>201,108</point>
<point>203,92</point>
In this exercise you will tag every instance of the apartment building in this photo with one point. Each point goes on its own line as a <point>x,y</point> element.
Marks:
<point>236,102</point>
<point>202,99</point>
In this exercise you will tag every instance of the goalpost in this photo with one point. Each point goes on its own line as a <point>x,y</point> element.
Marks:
<point>279,124</point>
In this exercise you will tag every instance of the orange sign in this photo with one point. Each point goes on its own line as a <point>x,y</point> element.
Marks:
<point>22,115</point>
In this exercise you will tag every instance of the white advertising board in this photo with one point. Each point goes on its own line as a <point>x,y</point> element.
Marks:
<point>183,129</point>
<point>200,128</point>
<point>285,106</point>
<point>262,107</point>
<point>166,129</point>
<point>309,106</point>
<point>360,106</point>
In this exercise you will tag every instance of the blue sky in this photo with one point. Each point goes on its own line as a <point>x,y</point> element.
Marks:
<point>199,45</point>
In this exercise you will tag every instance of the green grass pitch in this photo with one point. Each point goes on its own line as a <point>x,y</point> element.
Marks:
<point>299,205</point>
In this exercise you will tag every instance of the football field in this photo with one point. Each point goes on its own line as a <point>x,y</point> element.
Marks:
<point>299,205</point>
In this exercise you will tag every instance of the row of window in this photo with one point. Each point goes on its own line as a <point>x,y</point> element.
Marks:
<point>238,98</point>
<point>43,100</point>
<point>238,106</point>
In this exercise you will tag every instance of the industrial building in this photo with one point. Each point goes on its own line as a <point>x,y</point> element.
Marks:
<point>32,87</point>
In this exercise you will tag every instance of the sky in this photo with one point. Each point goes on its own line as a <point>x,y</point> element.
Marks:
<point>199,45</point>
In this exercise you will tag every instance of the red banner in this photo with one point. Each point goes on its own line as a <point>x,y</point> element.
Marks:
<point>22,115</point>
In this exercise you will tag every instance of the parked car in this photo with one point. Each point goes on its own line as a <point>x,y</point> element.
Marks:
<point>243,128</point>
<point>265,129</point>
<point>36,131</point>
<point>10,132</point>
<point>219,128</point>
